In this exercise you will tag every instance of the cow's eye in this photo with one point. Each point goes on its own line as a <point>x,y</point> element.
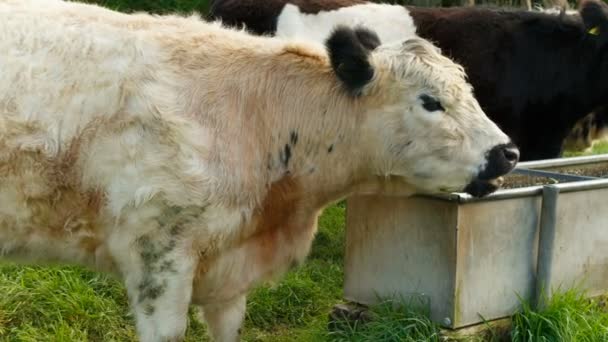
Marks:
<point>431,104</point>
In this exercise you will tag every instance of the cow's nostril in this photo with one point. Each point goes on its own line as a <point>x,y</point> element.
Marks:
<point>501,160</point>
<point>511,154</point>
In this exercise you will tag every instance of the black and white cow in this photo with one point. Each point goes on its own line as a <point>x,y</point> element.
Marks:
<point>536,74</point>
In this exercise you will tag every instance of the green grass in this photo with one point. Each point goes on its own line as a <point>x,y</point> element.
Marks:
<point>155,6</point>
<point>569,316</point>
<point>600,147</point>
<point>390,321</point>
<point>62,304</point>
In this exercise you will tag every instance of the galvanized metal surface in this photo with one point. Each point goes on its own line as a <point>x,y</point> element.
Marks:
<point>474,257</point>
<point>521,192</point>
<point>580,242</point>
<point>559,162</point>
<point>398,247</point>
<point>546,242</point>
<point>556,175</point>
<point>463,257</point>
<point>497,252</point>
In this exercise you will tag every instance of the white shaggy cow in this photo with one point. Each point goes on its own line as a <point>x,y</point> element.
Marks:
<point>192,160</point>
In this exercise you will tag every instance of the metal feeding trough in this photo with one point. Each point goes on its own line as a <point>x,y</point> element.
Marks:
<point>471,258</point>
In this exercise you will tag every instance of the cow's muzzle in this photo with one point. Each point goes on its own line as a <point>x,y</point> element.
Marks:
<point>501,159</point>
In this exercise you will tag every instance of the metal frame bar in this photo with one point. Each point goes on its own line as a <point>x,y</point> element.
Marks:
<point>552,174</point>
<point>574,182</point>
<point>546,244</point>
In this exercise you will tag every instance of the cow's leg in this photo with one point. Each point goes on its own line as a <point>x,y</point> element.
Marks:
<point>158,269</point>
<point>224,319</point>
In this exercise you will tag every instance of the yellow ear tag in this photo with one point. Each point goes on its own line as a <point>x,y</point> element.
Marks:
<point>594,31</point>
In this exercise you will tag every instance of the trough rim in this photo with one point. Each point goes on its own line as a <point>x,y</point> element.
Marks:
<point>585,182</point>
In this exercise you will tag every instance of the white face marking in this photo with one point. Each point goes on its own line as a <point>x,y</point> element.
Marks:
<point>435,135</point>
<point>390,22</point>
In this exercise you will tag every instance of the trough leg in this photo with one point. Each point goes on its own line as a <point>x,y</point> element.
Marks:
<point>158,271</point>
<point>224,319</point>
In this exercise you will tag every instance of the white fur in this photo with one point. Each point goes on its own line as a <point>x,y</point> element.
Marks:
<point>391,22</point>
<point>555,10</point>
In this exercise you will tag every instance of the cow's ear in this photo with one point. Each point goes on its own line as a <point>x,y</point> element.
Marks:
<point>595,19</point>
<point>349,51</point>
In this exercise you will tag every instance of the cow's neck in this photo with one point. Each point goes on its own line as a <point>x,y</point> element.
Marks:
<point>318,152</point>
<point>287,122</point>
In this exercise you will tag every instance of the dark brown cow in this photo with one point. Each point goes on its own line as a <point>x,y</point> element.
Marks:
<point>535,74</point>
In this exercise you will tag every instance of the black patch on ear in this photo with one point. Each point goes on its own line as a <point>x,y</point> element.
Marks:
<point>592,14</point>
<point>368,39</point>
<point>348,51</point>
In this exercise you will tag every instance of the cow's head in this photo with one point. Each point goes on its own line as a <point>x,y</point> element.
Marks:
<point>595,19</point>
<point>594,15</point>
<point>421,122</point>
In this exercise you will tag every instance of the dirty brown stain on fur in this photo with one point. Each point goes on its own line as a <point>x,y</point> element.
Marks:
<point>307,54</point>
<point>59,207</point>
<point>275,216</point>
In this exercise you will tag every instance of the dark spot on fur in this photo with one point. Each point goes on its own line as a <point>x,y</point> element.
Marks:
<point>293,138</point>
<point>170,246</point>
<point>176,230</point>
<point>285,155</point>
<point>312,170</point>
<point>167,266</point>
<point>144,241</point>
<point>149,310</point>
<point>150,288</point>
<point>330,149</point>
<point>149,251</point>
<point>398,148</point>
<point>153,292</point>
<point>169,214</point>
<point>155,247</point>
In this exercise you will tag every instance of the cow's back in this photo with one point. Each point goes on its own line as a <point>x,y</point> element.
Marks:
<point>59,70</point>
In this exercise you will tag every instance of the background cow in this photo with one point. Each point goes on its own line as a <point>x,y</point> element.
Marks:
<point>535,74</point>
<point>193,161</point>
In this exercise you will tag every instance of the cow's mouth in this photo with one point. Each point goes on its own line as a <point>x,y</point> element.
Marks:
<point>483,187</point>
